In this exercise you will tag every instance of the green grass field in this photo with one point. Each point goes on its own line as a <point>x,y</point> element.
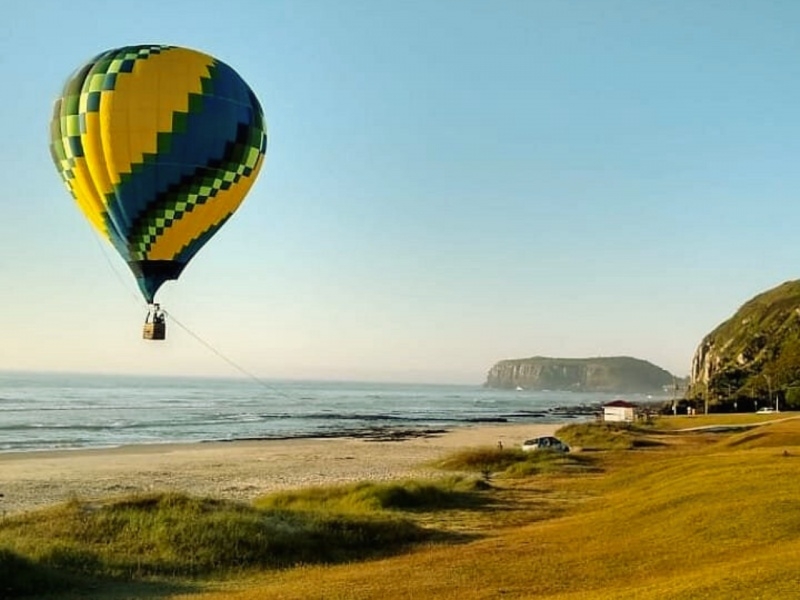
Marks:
<point>644,513</point>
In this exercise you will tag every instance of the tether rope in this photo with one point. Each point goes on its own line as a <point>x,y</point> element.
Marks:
<point>124,282</point>
<point>140,301</point>
<point>232,363</point>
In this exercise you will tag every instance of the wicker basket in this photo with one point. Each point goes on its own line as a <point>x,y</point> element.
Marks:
<point>155,331</point>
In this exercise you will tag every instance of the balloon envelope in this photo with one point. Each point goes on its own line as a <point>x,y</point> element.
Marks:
<point>159,146</point>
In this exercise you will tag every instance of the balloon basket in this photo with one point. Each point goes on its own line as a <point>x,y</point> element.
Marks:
<point>155,324</point>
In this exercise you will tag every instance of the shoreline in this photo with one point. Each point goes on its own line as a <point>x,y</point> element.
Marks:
<point>388,434</point>
<point>238,469</point>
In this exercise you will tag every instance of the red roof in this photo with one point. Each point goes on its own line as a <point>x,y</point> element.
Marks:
<point>620,404</point>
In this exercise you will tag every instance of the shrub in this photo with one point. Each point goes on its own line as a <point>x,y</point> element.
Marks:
<point>793,398</point>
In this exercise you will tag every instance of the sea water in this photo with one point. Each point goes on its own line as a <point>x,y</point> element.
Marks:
<point>40,411</point>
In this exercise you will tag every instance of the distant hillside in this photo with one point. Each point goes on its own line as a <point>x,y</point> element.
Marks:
<point>753,355</point>
<point>615,374</point>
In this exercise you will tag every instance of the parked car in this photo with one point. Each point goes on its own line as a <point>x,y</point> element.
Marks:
<point>765,410</point>
<point>545,443</point>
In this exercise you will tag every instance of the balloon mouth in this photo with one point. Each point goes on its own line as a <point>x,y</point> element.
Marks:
<point>150,274</point>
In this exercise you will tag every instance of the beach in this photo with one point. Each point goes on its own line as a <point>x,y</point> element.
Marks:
<point>236,470</point>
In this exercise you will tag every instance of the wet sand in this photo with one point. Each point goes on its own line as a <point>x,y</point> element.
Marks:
<point>240,470</point>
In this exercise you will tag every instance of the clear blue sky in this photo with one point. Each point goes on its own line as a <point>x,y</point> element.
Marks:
<point>448,183</point>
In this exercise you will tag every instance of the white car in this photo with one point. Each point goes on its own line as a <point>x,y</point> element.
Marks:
<point>765,410</point>
<point>545,443</point>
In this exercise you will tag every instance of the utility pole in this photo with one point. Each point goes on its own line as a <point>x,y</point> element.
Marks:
<point>728,394</point>
<point>769,391</point>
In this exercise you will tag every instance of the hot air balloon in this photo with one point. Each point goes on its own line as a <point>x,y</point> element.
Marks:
<point>158,145</point>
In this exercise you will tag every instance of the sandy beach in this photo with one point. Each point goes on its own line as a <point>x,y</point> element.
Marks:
<point>239,470</point>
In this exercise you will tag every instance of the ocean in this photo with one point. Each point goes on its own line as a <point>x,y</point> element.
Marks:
<point>40,411</point>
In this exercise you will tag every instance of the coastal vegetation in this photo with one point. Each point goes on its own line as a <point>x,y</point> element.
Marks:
<point>178,536</point>
<point>753,358</point>
<point>370,497</point>
<point>513,462</point>
<point>608,436</point>
<point>646,513</point>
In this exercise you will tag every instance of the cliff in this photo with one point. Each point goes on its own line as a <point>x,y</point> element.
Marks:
<point>619,374</point>
<point>754,355</point>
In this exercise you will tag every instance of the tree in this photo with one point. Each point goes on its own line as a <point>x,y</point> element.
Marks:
<point>793,398</point>
<point>783,372</point>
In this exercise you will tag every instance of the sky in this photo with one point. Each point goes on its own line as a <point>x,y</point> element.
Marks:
<point>447,184</point>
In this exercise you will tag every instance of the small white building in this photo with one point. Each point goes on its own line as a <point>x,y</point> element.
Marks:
<point>620,411</point>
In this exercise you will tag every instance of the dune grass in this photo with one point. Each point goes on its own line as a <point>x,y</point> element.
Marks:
<point>608,436</point>
<point>513,462</point>
<point>174,535</point>
<point>369,497</point>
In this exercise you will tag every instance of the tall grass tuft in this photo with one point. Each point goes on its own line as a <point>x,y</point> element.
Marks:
<point>178,535</point>
<point>513,462</point>
<point>368,497</point>
<point>605,436</point>
<point>482,459</point>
